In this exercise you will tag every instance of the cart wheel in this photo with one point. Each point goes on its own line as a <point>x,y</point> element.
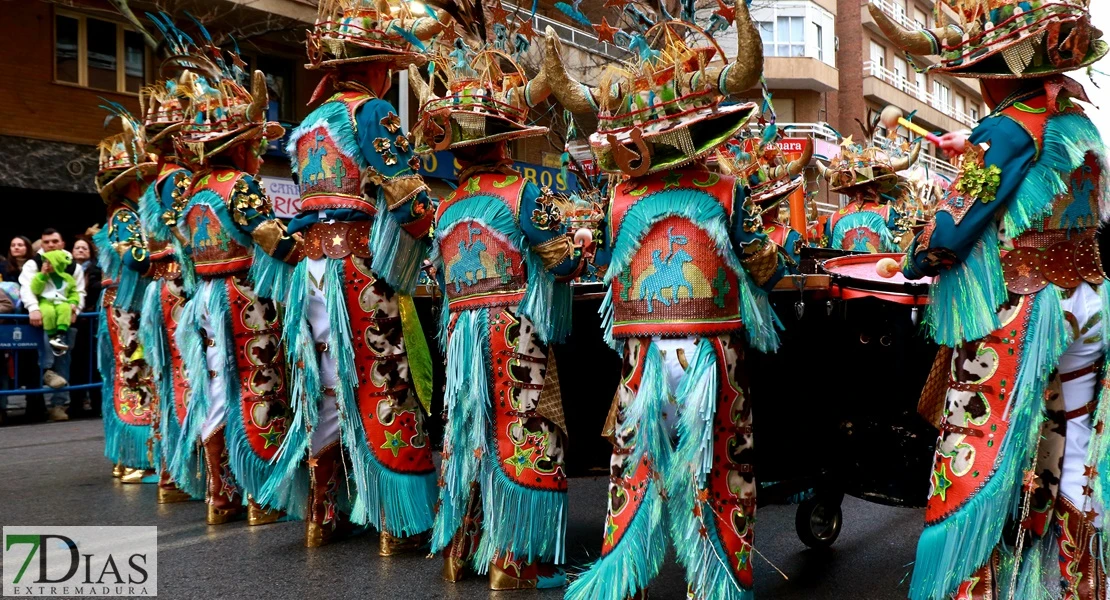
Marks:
<point>818,522</point>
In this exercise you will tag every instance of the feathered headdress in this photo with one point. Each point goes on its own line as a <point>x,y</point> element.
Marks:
<point>123,157</point>
<point>350,31</point>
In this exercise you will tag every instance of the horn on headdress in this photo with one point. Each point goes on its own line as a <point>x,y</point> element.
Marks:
<point>425,28</point>
<point>742,74</point>
<point>826,172</point>
<point>259,98</point>
<point>574,96</point>
<point>795,167</point>
<point>422,88</point>
<point>906,161</point>
<point>921,42</point>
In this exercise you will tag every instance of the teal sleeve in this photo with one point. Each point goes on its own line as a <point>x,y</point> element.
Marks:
<point>1013,151</point>
<point>793,249</point>
<point>387,150</point>
<point>539,231</point>
<point>748,239</point>
<point>127,234</point>
<point>251,215</point>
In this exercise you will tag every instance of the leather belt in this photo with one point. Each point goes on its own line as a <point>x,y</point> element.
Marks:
<point>1044,257</point>
<point>1073,375</point>
<point>338,240</point>
<point>166,268</point>
<point>1082,411</point>
<point>977,388</point>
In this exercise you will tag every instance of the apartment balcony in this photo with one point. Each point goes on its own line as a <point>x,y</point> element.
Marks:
<point>883,86</point>
<point>800,73</point>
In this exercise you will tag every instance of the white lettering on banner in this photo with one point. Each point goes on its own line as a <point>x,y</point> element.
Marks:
<point>284,196</point>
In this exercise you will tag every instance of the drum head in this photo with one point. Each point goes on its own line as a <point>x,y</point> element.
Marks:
<point>855,277</point>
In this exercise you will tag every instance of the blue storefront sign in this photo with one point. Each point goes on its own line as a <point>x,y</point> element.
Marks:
<point>442,165</point>
<point>19,337</point>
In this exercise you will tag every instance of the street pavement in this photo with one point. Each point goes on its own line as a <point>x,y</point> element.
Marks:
<point>55,474</point>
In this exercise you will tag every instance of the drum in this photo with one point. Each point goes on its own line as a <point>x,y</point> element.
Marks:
<point>853,277</point>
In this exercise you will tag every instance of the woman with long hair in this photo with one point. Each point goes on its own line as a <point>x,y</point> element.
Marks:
<point>19,250</point>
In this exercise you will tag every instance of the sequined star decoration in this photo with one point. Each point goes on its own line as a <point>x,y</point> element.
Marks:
<point>726,12</point>
<point>394,443</point>
<point>498,14</point>
<point>606,32</point>
<point>526,29</point>
<point>847,142</point>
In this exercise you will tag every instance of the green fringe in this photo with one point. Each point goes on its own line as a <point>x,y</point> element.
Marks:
<point>150,212</point>
<point>1038,571</point>
<point>156,346</point>
<point>708,565</point>
<point>186,463</point>
<point>707,213</point>
<point>106,256</point>
<point>546,303</point>
<point>1098,452</point>
<point>869,220</point>
<point>950,551</point>
<point>251,471</point>
<point>644,417</point>
<point>633,562</point>
<point>397,256</point>
<point>638,556</point>
<point>337,119</point>
<point>1067,140</point>
<point>467,402</point>
<point>535,531</point>
<point>269,276</point>
<point>964,301</point>
<point>123,443</point>
<point>304,379</point>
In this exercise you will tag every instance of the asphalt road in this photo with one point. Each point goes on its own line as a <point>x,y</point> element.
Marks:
<point>55,474</point>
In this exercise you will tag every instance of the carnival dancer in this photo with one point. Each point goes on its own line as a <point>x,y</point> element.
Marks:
<point>229,332</point>
<point>688,269</point>
<point>772,178</point>
<point>128,391</point>
<point>868,175</point>
<point>353,372</point>
<point>165,295</point>
<point>1020,474</point>
<point>503,257</point>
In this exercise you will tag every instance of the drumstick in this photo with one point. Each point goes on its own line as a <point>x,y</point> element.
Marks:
<point>887,268</point>
<point>892,116</point>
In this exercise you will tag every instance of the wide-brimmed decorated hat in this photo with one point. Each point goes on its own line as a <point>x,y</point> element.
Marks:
<point>666,107</point>
<point>162,111</point>
<point>221,113</point>
<point>1005,38</point>
<point>862,168</point>
<point>351,31</point>
<point>771,176</point>
<point>123,158</point>
<point>488,98</point>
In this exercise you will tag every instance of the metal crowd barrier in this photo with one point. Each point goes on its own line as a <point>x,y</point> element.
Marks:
<point>20,338</point>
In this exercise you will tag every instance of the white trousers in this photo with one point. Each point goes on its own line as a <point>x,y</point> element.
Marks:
<point>326,430</point>
<point>1085,305</point>
<point>216,358</point>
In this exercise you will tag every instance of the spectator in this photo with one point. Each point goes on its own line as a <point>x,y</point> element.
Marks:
<point>19,251</point>
<point>36,246</point>
<point>84,254</point>
<point>55,369</point>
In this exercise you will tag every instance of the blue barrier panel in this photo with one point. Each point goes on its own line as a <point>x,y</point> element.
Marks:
<point>23,338</point>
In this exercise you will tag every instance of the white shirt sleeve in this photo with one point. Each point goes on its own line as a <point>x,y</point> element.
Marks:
<point>30,269</point>
<point>79,276</point>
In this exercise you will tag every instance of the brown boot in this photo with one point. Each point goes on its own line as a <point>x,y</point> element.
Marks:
<point>225,502</point>
<point>259,515</point>
<point>457,555</point>
<point>168,492</point>
<point>1080,573</point>
<point>510,574</point>
<point>325,523</point>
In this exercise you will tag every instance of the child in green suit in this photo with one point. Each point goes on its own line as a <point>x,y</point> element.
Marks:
<point>57,293</point>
